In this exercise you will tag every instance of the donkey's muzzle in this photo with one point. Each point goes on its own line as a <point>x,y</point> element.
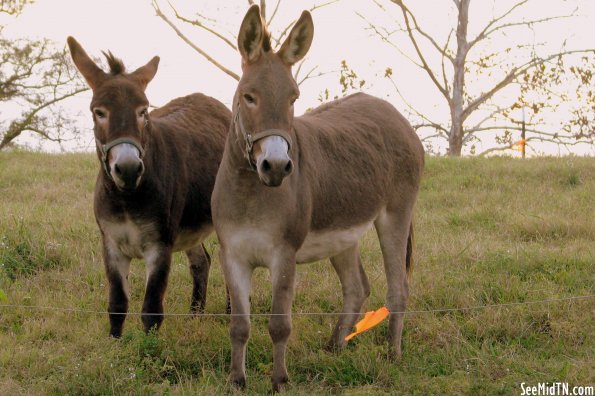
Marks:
<point>127,167</point>
<point>128,173</point>
<point>273,164</point>
<point>272,171</point>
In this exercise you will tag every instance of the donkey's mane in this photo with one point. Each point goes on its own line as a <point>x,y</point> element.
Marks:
<point>115,64</point>
<point>266,40</point>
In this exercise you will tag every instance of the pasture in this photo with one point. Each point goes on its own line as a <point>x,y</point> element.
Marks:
<point>488,231</point>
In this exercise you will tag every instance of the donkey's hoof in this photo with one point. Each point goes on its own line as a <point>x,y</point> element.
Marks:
<point>279,382</point>
<point>115,331</point>
<point>395,355</point>
<point>197,309</point>
<point>239,383</point>
<point>334,347</point>
<point>152,323</point>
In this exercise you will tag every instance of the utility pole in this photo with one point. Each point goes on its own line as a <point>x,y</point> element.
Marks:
<point>523,141</point>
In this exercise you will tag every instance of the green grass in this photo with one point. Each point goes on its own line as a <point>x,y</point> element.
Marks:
<point>489,231</point>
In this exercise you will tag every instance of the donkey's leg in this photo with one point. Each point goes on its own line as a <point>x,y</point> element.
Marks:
<point>200,262</point>
<point>283,278</point>
<point>393,230</point>
<point>158,260</point>
<point>356,289</point>
<point>117,267</point>
<point>238,278</point>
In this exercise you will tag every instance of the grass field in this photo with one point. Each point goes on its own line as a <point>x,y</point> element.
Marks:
<point>489,231</point>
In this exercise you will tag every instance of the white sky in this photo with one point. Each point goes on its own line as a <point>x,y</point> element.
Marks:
<point>132,31</point>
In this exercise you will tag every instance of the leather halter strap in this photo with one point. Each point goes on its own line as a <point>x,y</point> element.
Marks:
<point>251,138</point>
<point>105,148</point>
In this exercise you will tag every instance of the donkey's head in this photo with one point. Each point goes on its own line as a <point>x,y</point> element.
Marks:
<point>120,114</point>
<point>263,102</point>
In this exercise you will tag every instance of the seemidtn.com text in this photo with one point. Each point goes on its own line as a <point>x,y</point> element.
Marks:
<point>556,389</point>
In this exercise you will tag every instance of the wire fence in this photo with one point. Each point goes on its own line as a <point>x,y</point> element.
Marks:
<point>206,314</point>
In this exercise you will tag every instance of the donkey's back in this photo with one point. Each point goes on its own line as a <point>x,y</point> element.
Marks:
<point>362,153</point>
<point>192,131</point>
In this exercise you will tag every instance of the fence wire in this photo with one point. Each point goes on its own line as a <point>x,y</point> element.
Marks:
<point>206,314</point>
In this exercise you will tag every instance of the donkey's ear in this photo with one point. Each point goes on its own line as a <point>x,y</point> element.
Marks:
<point>299,40</point>
<point>92,73</point>
<point>251,35</point>
<point>145,74</point>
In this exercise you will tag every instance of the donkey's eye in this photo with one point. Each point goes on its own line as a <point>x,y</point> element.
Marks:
<point>249,99</point>
<point>99,113</point>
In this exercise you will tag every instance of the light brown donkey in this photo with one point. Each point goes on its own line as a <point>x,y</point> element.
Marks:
<point>300,190</point>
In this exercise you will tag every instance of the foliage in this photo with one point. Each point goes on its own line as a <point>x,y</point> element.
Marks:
<point>13,7</point>
<point>488,231</point>
<point>34,79</point>
<point>576,97</point>
<point>348,81</point>
<point>471,71</point>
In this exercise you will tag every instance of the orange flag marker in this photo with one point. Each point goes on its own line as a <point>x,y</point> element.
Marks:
<point>519,145</point>
<point>371,319</point>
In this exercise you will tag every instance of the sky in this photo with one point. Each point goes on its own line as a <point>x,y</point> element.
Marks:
<point>132,31</point>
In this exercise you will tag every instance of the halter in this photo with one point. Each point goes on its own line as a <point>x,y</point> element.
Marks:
<point>251,138</point>
<point>105,148</point>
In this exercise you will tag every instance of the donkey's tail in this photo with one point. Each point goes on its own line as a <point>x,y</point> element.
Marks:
<point>409,256</point>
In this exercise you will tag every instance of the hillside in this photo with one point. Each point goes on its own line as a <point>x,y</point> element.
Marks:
<point>488,231</point>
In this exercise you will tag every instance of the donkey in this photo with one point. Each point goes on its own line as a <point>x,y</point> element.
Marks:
<point>153,191</point>
<point>299,190</point>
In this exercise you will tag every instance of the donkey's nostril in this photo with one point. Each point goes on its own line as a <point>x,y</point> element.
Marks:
<point>288,167</point>
<point>117,169</point>
<point>266,166</point>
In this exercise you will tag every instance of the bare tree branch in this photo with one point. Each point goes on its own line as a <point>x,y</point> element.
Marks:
<point>272,17</point>
<point>552,135</point>
<point>426,67</point>
<point>484,35</point>
<point>444,49</point>
<point>285,31</point>
<point>203,26</point>
<point>426,138</point>
<point>413,110</point>
<point>385,38</point>
<point>481,35</point>
<point>310,75</point>
<point>527,23</point>
<point>469,131</point>
<point>528,140</point>
<point>423,32</point>
<point>224,69</point>
<point>263,9</point>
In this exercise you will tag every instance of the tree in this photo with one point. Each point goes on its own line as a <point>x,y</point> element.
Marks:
<point>457,64</point>
<point>34,79</point>
<point>229,40</point>
<point>562,88</point>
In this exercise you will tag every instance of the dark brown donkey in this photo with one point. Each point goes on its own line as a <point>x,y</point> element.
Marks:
<point>300,190</point>
<point>153,191</point>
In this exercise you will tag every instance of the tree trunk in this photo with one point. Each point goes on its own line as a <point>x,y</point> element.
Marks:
<point>455,139</point>
<point>455,136</point>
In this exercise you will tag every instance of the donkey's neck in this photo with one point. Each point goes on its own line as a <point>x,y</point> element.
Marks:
<point>236,148</point>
